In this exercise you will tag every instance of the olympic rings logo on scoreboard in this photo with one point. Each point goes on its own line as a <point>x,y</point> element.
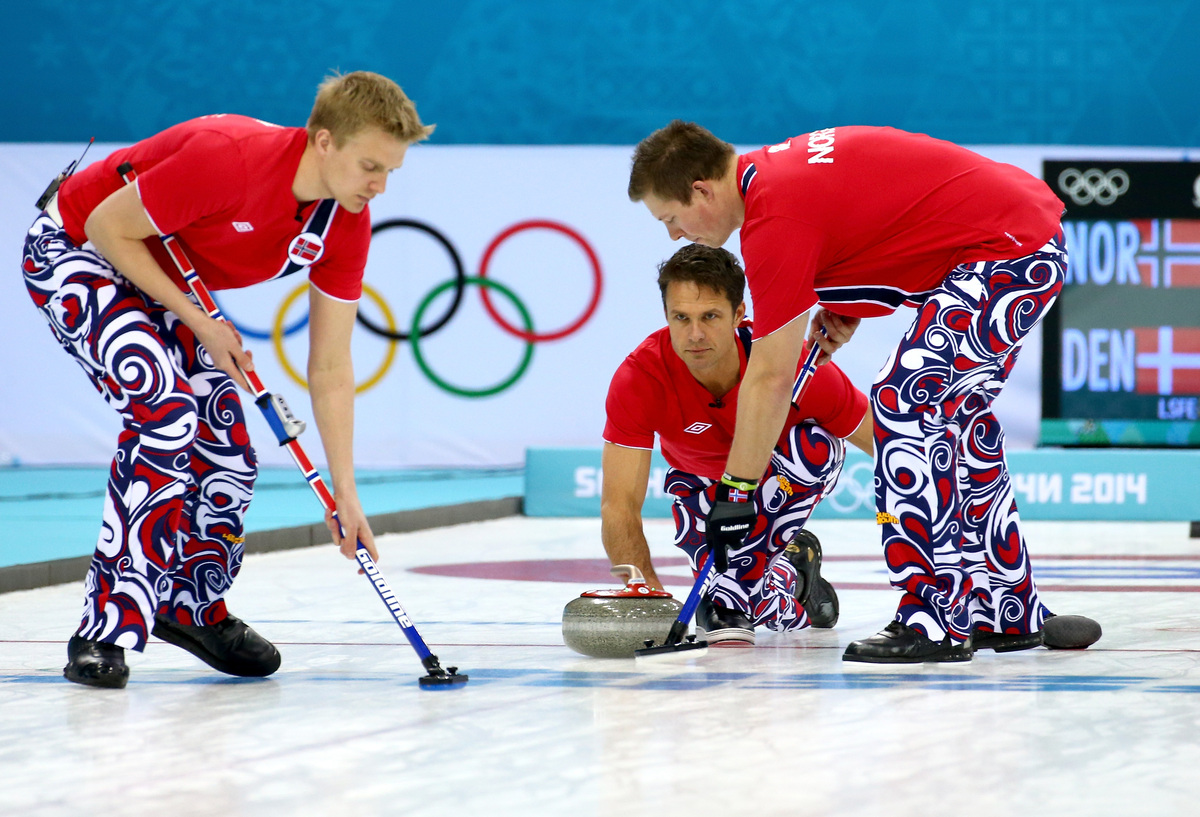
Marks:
<point>1093,185</point>
<point>417,330</point>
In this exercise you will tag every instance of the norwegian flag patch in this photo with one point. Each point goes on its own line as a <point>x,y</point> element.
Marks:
<point>306,248</point>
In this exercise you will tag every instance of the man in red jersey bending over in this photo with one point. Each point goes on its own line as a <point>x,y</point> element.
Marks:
<point>682,384</point>
<point>857,221</point>
<point>248,201</point>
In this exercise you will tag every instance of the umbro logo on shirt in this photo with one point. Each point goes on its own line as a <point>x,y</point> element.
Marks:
<point>243,226</point>
<point>697,428</point>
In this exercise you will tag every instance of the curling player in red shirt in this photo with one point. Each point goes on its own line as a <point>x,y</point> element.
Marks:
<point>852,222</point>
<point>247,201</point>
<point>682,384</point>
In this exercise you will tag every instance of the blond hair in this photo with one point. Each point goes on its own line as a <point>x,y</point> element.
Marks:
<point>348,103</point>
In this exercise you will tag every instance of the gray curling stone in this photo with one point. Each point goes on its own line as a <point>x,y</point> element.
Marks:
<point>613,623</point>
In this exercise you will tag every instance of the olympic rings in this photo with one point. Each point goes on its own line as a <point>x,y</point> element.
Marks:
<point>484,284</point>
<point>597,281</point>
<point>460,278</point>
<point>459,282</point>
<point>277,335</point>
<point>1093,185</point>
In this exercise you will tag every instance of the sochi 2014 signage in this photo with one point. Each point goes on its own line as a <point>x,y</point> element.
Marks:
<point>1122,346</point>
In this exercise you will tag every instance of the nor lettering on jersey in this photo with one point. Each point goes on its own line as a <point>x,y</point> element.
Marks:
<point>820,145</point>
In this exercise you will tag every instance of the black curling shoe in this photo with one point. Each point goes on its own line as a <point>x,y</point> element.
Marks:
<point>900,644</point>
<point>822,605</point>
<point>95,664</point>
<point>1057,633</point>
<point>1005,642</point>
<point>814,593</point>
<point>230,645</point>
<point>722,626</point>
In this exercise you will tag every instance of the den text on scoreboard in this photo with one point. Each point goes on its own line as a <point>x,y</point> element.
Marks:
<point>1121,363</point>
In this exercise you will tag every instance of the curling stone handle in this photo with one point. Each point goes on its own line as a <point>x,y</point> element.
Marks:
<point>629,573</point>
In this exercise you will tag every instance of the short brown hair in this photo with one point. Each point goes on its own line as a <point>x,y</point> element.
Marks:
<point>348,103</point>
<point>667,161</point>
<point>712,267</point>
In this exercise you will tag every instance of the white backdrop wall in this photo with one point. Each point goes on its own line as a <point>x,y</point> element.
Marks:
<point>49,413</point>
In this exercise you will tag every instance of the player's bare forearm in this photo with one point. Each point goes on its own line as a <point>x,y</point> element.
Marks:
<point>116,228</point>
<point>333,409</point>
<point>762,409</point>
<point>626,473</point>
<point>763,399</point>
<point>331,385</point>
<point>625,543</point>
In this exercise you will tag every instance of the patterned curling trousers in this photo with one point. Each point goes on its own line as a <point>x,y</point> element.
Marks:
<point>182,478</point>
<point>759,581</point>
<point>951,534</point>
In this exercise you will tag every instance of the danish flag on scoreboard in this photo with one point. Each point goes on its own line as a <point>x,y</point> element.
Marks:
<point>1170,252</point>
<point>1168,360</point>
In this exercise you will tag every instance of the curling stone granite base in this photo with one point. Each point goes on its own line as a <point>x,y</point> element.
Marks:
<point>615,626</point>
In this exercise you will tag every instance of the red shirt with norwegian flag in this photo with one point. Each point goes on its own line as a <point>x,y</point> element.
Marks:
<point>653,392</point>
<point>864,220</point>
<point>223,186</point>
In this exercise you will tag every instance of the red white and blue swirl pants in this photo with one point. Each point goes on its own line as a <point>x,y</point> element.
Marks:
<point>759,581</point>
<point>951,533</point>
<point>182,478</point>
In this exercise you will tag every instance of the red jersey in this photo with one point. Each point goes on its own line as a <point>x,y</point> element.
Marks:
<point>653,392</point>
<point>864,220</point>
<point>223,186</point>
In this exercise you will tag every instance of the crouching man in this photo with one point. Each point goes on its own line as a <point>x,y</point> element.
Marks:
<point>681,383</point>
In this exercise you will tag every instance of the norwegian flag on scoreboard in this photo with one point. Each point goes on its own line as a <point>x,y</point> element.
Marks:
<point>1170,252</point>
<point>1168,360</point>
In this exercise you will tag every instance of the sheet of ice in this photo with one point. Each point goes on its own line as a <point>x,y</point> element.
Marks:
<point>784,728</point>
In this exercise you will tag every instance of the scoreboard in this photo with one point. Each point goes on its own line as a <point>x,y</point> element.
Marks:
<point>1121,359</point>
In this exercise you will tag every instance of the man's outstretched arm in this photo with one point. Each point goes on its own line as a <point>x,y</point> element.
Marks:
<point>626,473</point>
<point>764,398</point>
